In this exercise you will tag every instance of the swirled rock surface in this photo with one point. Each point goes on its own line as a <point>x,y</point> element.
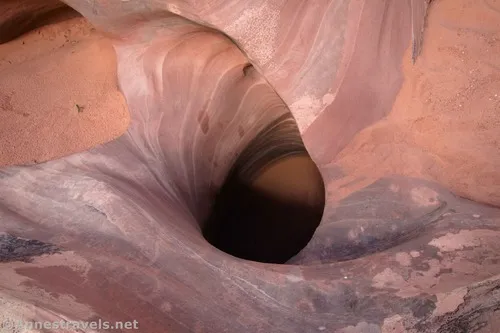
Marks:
<point>122,121</point>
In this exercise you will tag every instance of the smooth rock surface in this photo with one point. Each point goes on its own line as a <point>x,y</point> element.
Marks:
<point>408,153</point>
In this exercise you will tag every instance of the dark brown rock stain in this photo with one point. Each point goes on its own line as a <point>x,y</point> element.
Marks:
<point>64,281</point>
<point>204,120</point>
<point>6,102</point>
<point>14,248</point>
<point>241,131</point>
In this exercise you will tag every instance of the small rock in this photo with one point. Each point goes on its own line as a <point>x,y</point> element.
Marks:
<point>415,254</point>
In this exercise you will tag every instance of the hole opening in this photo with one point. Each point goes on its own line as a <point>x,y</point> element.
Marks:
<point>272,201</point>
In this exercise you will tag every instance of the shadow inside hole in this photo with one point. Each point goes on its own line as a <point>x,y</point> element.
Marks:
<point>271,203</point>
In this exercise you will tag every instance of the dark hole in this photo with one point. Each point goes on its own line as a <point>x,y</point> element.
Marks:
<point>247,69</point>
<point>272,201</point>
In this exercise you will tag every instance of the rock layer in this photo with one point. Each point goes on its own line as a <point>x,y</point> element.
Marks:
<point>117,229</point>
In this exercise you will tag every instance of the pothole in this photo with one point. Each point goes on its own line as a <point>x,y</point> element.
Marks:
<point>272,201</point>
